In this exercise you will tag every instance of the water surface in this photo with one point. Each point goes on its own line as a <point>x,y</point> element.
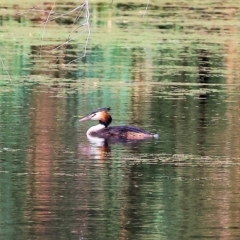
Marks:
<point>173,72</point>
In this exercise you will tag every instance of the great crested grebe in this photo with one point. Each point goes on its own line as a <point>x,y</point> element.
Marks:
<point>102,130</point>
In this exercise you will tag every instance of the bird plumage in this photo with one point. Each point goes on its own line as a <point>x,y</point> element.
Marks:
<point>103,130</point>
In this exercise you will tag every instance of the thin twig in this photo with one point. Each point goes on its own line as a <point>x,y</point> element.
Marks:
<point>68,40</point>
<point>61,15</point>
<point>4,67</point>
<point>34,9</point>
<point>89,32</point>
<point>77,17</point>
<point>79,14</point>
<point>146,8</point>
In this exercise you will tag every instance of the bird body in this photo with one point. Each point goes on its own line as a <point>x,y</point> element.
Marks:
<point>102,130</point>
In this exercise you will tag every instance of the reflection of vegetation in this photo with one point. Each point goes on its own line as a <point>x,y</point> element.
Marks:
<point>165,46</point>
<point>166,72</point>
<point>13,145</point>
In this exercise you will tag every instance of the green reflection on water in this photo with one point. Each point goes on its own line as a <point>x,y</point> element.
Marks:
<point>172,72</point>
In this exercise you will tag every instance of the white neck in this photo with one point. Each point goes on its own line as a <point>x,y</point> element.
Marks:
<point>95,129</point>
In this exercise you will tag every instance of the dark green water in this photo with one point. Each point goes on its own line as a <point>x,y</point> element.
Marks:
<point>166,73</point>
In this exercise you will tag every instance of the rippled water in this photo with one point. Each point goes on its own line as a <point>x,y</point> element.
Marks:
<point>173,72</point>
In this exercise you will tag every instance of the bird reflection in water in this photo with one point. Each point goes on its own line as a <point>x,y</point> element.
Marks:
<point>97,149</point>
<point>100,148</point>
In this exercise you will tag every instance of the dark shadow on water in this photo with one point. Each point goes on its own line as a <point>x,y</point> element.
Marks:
<point>203,73</point>
<point>204,67</point>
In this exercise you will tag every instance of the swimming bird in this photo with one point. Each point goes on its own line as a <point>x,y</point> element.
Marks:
<point>102,130</point>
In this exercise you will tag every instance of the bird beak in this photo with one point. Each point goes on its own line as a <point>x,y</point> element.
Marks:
<point>85,118</point>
